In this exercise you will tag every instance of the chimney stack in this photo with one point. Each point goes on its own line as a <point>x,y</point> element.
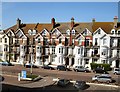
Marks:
<point>72,22</point>
<point>18,23</point>
<point>53,22</point>
<point>115,21</point>
<point>93,20</point>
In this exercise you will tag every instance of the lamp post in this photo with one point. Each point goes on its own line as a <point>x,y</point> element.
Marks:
<point>31,61</point>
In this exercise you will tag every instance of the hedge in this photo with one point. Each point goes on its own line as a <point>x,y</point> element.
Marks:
<point>95,65</point>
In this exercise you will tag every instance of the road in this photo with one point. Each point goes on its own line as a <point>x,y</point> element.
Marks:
<point>46,84</point>
<point>54,73</point>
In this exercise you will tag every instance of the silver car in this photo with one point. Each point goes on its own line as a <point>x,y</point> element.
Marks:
<point>116,71</point>
<point>106,78</point>
<point>81,69</point>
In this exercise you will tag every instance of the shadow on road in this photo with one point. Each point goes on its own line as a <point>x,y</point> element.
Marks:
<point>1,78</point>
<point>50,88</point>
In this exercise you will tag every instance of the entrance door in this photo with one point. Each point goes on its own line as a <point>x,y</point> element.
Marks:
<point>67,61</point>
<point>72,61</point>
<point>117,63</point>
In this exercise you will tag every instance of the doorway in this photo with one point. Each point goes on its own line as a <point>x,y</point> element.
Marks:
<point>117,63</point>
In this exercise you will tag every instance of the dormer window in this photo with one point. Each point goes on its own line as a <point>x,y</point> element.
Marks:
<point>73,32</point>
<point>119,32</point>
<point>112,32</point>
<point>99,31</point>
<point>68,32</point>
<point>44,33</point>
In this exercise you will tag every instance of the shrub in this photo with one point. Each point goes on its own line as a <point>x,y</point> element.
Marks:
<point>105,66</point>
<point>31,76</point>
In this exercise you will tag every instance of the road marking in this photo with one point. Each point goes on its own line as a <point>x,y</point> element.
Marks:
<point>108,85</point>
<point>100,84</point>
<point>9,75</point>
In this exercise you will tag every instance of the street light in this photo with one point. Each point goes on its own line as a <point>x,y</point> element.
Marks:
<point>31,61</point>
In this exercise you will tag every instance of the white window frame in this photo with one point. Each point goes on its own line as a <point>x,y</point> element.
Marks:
<point>104,41</point>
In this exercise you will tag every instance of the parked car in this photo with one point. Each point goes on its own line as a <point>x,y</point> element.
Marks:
<point>63,82</point>
<point>81,69</point>
<point>80,84</point>
<point>62,67</point>
<point>116,71</point>
<point>99,70</point>
<point>47,67</point>
<point>5,63</point>
<point>29,66</point>
<point>106,78</point>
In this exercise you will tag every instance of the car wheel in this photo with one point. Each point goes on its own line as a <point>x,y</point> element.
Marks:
<point>96,81</point>
<point>108,82</point>
<point>76,70</point>
<point>115,73</point>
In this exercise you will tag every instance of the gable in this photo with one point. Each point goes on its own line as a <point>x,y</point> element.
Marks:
<point>10,33</point>
<point>79,36</point>
<point>44,32</point>
<point>38,36</point>
<point>20,34</point>
<point>56,32</point>
<point>99,31</point>
<point>86,32</point>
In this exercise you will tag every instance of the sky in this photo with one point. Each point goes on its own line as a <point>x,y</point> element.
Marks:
<point>42,12</point>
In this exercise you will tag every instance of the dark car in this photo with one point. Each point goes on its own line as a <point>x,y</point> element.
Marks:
<point>29,66</point>
<point>62,68</point>
<point>80,84</point>
<point>63,82</point>
<point>5,63</point>
<point>99,70</point>
<point>47,67</point>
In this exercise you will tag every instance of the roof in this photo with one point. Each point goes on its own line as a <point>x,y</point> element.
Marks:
<point>106,26</point>
<point>26,27</point>
<point>64,26</point>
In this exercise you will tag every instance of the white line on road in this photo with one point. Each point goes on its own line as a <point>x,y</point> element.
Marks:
<point>9,75</point>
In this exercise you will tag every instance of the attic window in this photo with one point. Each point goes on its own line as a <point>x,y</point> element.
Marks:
<point>68,32</point>
<point>44,32</point>
<point>112,32</point>
<point>73,32</point>
<point>99,31</point>
<point>119,32</point>
<point>85,32</point>
<point>38,40</point>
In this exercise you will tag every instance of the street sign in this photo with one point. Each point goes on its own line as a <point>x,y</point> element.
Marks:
<point>23,74</point>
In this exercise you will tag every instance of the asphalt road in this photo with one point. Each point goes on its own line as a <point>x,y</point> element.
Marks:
<point>10,84</point>
<point>54,73</point>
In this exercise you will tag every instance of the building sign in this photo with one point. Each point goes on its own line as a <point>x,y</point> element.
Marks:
<point>23,74</point>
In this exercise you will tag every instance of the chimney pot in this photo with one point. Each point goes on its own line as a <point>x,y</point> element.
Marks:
<point>115,21</point>
<point>53,22</point>
<point>72,22</point>
<point>18,23</point>
<point>93,20</point>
